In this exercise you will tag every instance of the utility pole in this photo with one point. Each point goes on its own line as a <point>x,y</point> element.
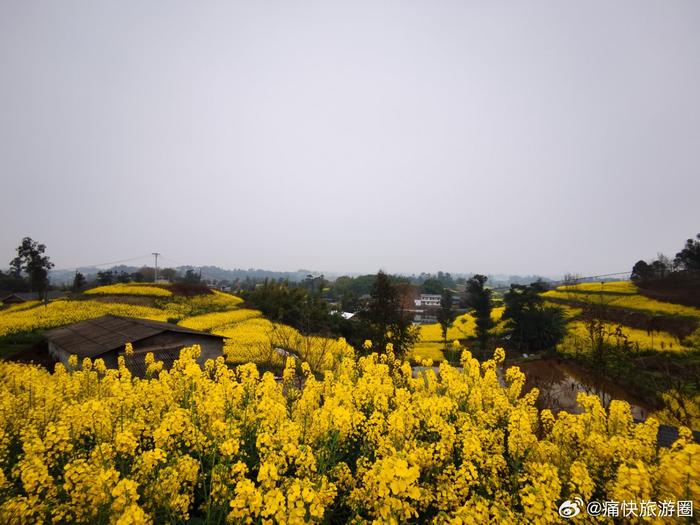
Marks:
<point>155,274</point>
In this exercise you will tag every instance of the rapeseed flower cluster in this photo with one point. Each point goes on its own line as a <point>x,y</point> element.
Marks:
<point>365,442</point>
<point>137,289</point>
<point>65,311</point>
<point>217,321</point>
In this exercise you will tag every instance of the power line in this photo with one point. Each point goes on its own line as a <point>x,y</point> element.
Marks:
<point>100,264</point>
<point>173,261</point>
<point>579,279</point>
<point>177,263</point>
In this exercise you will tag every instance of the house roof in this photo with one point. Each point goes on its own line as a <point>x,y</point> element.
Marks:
<point>104,334</point>
<point>31,296</point>
<point>12,298</point>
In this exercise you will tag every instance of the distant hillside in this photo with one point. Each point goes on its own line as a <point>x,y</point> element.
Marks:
<point>213,273</point>
<point>216,273</point>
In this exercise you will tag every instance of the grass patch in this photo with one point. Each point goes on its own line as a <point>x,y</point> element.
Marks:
<point>14,344</point>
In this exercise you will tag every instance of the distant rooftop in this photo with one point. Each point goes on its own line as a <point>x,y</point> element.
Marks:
<point>29,296</point>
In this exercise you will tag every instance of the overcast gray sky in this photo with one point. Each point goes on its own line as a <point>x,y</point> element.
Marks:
<point>515,137</point>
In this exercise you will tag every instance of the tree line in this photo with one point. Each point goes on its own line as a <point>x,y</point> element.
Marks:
<point>686,261</point>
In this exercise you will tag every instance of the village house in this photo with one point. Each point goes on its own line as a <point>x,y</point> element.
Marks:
<point>428,299</point>
<point>106,337</point>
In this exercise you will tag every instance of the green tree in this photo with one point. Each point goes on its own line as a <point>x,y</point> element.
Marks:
<point>294,306</point>
<point>641,272</point>
<point>148,274</point>
<point>531,325</point>
<point>32,262</point>
<point>350,290</point>
<point>169,274</point>
<point>105,277</point>
<point>479,298</point>
<point>689,257</point>
<point>386,320</point>
<point>78,282</point>
<point>432,286</point>
<point>445,314</point>
<point>192,276</point>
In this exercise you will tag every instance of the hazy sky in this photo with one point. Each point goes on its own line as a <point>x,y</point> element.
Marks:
<point>515,137</point>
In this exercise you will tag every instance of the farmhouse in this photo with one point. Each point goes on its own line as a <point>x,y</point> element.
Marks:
<point>23,297</point>
<point>105,338</point>
<point>428,299</point>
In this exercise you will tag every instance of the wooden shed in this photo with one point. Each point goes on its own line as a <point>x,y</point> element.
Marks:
<point>106,337</point>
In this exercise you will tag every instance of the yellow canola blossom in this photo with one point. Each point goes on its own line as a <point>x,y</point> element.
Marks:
<point>180,307</point>
<point>462,327</point>
<point>623,300</point>
<point>20,306</point>
<point>610,287</point>
<point>365,443</point>
<point>217,321</point>
<point>638,339</point>
<point>431,344</point>
<point>257,340</point>
<point>130,289</point>
<point>62,312</point>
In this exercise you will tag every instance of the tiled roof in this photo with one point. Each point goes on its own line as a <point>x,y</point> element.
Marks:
<point>98,336</point>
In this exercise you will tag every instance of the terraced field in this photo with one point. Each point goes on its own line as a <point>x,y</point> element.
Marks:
<point>618,299</point>
<point>250,337</point>
<point>646,323</point>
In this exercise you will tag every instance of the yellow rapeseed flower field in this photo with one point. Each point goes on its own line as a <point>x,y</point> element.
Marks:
<point>611,287</point>
<point>219,320</point>
<point>20,306</point>
<point>638,339</point>
<point>430,344</point>
<point>619,295</point>
<point>64,311</point>
<point>367,443</point>
<point>181,307</point>
<point>130,289</point>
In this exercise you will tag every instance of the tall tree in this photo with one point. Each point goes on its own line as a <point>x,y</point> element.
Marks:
<point>641,272</point>
<point>445,314</point>
<point>78,282</point>
<point>31,261</point>
<point>169,274</point>
<point>689,257</point>
<point>478,297</point>
<point>387,320</point>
